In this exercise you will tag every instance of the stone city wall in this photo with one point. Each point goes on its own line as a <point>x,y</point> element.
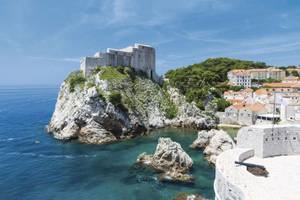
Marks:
<point>267,140</point>
<point>223,187</point>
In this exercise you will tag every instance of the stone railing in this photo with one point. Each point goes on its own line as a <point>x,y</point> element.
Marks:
<point>223,186</point>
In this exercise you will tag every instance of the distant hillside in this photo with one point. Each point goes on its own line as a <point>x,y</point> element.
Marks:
<point>206,81</point>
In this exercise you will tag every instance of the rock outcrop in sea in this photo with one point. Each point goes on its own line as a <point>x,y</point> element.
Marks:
<point>116,103</point>
<point>185,196</point>
<point>214,142</point>
<point>170,159</point>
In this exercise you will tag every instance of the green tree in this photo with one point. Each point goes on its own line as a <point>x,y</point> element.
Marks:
<point>295,73</point>
<point>203,81</point>
<point>116,99</point>
<point>221,104</point>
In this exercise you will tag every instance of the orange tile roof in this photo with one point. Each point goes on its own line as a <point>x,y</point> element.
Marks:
<point>241,92</point>
<point>236,101</point>
<point>261,91</point>
<point>270,69</point>
<point>280,85</point>
<point>248,90</point>
<point>296,85</point>
<point>241,72</point>
<point>292,94</point>
<point>238,106</point>
<point>291,78</point>
<point>257,107</point>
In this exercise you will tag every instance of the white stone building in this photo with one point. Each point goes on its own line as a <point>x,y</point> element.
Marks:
<point>245,95</point>
<point>290,112</point>
<point>140,57</point>
<point>239,77</point>
<point>242,114</point>
<point>271,72</point>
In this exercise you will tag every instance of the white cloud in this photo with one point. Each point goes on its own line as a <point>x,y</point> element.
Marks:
<point>55,59</point>
<point>203,35</point>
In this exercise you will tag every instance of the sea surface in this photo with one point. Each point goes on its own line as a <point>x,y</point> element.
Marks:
<point>33,165</point>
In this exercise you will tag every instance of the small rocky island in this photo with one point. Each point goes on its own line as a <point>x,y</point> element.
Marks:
<point>170,159</point>
<point>102,104</point>
<point>213,142</point>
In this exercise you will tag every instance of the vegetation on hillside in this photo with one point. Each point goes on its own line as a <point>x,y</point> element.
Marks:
<point>116,99</point>
<point>221,104</point>
<point>206,81</point>
<point>74,79</point>
<point>268,80</point>
<point>295,73</point>
<point>130,90</point>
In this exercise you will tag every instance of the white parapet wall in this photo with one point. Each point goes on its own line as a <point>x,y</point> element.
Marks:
<point>269,140</point>
<point>226,189</point>
<point>277,148</point>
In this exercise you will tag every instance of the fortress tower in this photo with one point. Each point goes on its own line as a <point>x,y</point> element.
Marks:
<point>140,57</point>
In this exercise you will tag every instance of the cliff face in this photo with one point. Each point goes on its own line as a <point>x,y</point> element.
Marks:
<point>117,103</point>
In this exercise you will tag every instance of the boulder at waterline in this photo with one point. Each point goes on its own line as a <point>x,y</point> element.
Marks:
<point>170,159</point>
<point>214,142</point>
<point>185,196</point>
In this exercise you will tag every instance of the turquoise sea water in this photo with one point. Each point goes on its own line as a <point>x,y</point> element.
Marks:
<point>33,165</point>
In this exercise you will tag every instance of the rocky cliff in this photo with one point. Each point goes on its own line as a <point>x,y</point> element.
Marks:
<point>117,103</point>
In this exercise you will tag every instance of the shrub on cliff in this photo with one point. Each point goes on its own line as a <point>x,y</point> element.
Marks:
<point>221,104</point>
<point>116,99</point>
<point>74,79</point>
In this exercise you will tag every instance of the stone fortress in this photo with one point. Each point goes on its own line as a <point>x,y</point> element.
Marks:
<point>277,148</point>
<point>140,57</point>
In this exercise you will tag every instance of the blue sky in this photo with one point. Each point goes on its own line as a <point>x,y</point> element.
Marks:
<point>42,41</point>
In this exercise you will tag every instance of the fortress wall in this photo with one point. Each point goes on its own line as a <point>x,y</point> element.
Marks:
<point>224,189</point>
<point>267,141</point>
<point>144,59</point>
<point>88,64</point>
<point>262,141</point>
<point>281,141</point>
<point>249,137</point>
<point>139,57</point>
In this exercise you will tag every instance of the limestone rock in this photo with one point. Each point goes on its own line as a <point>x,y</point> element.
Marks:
<point>89,114</point>
<point>185,196</point>
<point>219,143</point>
<point>203,138</point>
<point>214,142</point>
<point>171,159</point>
